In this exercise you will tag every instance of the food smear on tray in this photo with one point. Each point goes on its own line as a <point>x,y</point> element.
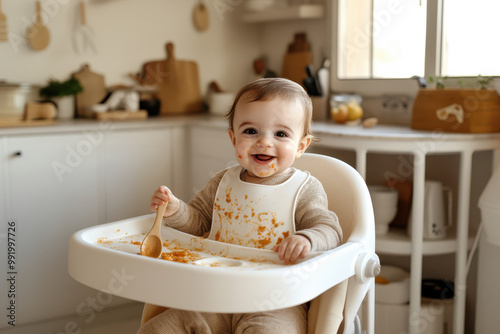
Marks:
<point>194,251</point>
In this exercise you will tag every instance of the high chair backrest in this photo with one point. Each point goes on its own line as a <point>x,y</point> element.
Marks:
<point>345,189</point>
<point>349,198</point>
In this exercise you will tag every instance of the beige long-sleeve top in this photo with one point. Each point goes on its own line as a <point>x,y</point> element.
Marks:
<point>312,217</point>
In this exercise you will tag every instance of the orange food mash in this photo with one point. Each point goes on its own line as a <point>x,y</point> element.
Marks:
<point>180,256</point>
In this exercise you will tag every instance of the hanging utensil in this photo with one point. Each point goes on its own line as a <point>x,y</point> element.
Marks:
<point>84,35</point>
<point>200,16</point>
<point>3,25</point>
<point>38,35</point>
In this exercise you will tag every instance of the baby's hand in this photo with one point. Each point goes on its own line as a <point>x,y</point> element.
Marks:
<point>162,195</point>
<point>292,248</point>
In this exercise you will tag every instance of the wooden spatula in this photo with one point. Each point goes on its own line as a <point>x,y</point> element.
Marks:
<point>38,35</point>
<point>3,25</point>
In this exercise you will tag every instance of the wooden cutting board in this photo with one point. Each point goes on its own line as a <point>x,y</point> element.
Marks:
<point>177,83</point>
<point>297,58</point>
<point>94,91</point>
<point>294,65</point>
<point>122,115</point>
<point>6,123</point>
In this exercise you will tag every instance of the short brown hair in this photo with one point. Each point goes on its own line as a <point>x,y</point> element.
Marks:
<point>267,88</point>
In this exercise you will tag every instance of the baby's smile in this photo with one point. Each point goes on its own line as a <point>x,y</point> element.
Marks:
<point>262,158</point>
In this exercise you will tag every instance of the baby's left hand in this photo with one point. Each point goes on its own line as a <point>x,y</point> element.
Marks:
<point>292,248</point>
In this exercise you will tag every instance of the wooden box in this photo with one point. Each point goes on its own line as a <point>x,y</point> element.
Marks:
<point>457,110</point>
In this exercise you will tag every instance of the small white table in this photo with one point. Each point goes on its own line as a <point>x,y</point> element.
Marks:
<point>403,140</point>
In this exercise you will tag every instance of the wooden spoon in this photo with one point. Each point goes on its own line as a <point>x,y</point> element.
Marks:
<point>38,35</point>
<point>200,16</point>
<point>152,245</point>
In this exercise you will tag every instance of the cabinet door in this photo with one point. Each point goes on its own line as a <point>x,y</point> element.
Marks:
<point>136,164</point>
<point>51,190</point>
<point>211,151</point>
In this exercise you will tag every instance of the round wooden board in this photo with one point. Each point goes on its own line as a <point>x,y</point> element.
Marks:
<point>200,17</point>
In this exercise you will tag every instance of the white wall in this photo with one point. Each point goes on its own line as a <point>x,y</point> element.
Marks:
<point>127,34</point>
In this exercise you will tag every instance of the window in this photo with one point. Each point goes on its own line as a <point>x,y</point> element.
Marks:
<point>381,39</point>
<point>470,38</point>
<point>378,40</point>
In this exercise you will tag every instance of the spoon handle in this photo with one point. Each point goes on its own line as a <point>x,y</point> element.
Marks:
<point>159,217</point>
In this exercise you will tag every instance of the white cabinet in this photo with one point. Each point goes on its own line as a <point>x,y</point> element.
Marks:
<point>211,152</point>
<point>53,185</point>
<point>51,190</point>
<point>136,163</point>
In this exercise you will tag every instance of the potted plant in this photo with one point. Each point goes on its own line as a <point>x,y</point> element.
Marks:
<point>62,93</point>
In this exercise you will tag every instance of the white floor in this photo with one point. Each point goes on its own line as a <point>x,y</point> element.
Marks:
<point>123,319</point>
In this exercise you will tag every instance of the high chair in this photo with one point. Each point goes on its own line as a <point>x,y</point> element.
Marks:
<point>332,280</point>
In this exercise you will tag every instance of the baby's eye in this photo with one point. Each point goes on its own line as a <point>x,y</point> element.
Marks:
<point>250,131</point>
<point>281,134</point>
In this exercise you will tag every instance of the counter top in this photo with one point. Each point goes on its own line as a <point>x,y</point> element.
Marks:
<point>324,128</point>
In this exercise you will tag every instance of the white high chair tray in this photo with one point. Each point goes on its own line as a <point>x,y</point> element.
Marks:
<point>198,274</point>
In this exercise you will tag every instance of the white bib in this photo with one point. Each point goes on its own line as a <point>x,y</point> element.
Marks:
<point>255,215</point>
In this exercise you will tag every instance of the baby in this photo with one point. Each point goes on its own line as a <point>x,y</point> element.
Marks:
<point>262,202</point>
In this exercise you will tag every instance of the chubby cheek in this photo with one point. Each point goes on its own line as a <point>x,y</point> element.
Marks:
<point>242,151</point>
<point>288,154</point>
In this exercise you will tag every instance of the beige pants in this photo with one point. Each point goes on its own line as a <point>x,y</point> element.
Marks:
<point>290,321</point>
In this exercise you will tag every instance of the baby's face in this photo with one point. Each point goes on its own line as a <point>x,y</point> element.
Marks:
<point>268,135</point>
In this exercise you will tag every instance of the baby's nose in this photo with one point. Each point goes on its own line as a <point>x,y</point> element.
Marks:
<point>264,141</point>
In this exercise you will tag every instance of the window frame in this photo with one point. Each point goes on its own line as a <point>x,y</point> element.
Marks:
<point>376,87</point>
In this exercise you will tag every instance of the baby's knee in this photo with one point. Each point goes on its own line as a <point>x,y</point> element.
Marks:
<point>291,321</point>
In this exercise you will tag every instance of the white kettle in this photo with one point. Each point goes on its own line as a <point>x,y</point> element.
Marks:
<point>436,219</point>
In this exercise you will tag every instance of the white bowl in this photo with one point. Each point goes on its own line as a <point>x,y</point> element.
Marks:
<point>385,206</point>
<point>220,103</point>
<point>397,290</point>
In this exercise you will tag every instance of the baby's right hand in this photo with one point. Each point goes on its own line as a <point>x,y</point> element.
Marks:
<point>163,195</point>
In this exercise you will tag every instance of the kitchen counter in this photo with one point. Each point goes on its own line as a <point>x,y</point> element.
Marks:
<point>323,129</point>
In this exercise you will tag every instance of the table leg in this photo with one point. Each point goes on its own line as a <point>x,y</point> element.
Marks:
<point>417,236</point>
<point>464,184</point>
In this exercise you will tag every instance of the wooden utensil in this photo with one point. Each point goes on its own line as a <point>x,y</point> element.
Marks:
<point>38,35</point>
<point>94,91</point>
<point>3,25</point>
<point>200,16</point>
<point>152,244</point>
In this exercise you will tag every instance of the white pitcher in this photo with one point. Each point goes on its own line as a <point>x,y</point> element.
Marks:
<point>436,221</point>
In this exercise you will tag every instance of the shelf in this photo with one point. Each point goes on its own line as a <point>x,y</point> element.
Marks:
<point>397,242</point>
<point>285,13</point>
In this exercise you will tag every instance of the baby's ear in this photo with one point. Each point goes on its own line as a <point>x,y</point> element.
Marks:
<point>303,145</point>
<point>230,132</point>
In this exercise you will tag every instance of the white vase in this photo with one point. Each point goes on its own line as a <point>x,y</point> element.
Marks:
<point>65,107</point>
